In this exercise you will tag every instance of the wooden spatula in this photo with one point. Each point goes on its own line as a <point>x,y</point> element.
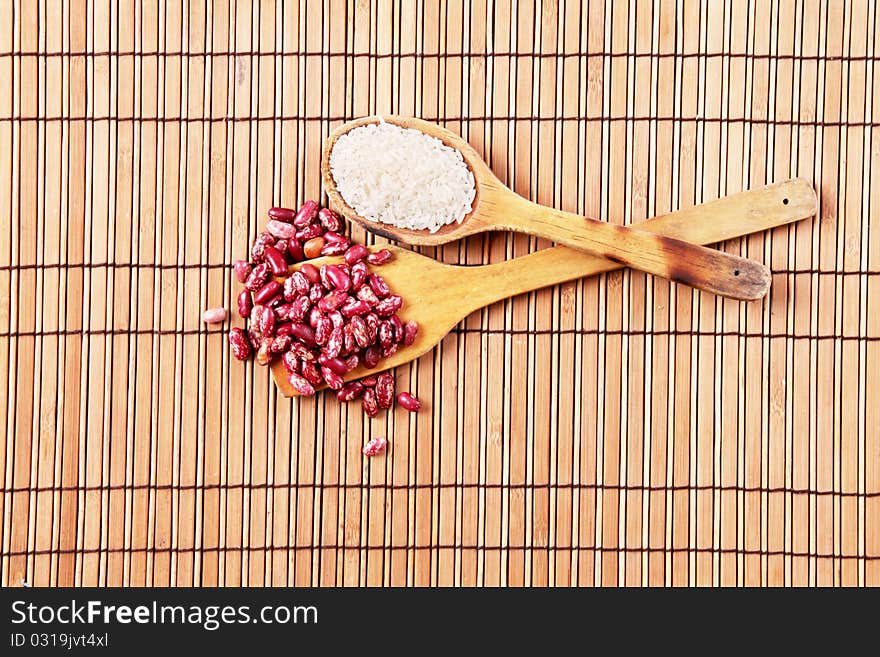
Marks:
<point>439,296</point>
<point>496,207</point>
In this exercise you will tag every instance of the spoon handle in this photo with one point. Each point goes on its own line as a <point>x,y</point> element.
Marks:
<point>706,269</point>
<point>725,218</point>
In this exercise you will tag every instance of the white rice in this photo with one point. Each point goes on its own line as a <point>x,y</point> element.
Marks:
<point>401,176</point>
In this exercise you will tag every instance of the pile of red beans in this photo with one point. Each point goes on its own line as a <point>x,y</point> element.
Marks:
<point>322,322</point>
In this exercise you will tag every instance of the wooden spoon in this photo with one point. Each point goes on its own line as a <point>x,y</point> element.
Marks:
<point>439,296</point>
<point>496,207</point>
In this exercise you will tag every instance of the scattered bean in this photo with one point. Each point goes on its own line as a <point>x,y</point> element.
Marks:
<point>214,316</point>
<point>409,402</point>
<point>375,447</point>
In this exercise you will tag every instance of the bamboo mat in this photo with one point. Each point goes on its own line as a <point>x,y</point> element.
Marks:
<point>619,430</point>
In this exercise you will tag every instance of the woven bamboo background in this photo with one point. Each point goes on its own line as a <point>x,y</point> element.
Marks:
<point>618,430</point>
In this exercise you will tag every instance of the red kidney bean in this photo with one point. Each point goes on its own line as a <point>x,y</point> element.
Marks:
<point>334,363</point>
<point>281,230</point>
<point>355,253</point>
<point>266,292</point>
<point>350,344</point>
<point>254,338</point>
<point>335,342</point>
<point>315,316</point>
<point>304,333</point>
<point>284,328</point>
<point>259,246</point>
<point>242,269</point>
<point>301,384</point>
<point>386,334</point>
<point>369,402</point>
<point>339,277</point>
<point>302,352</point>
<point>256,314</point>
<point>258,277</point>
<point>369,381</point>
<point>299,282</point>
<point>282,246</point>
<point>299,309</point>
<point>372,356</point>
<point>277,263</point>
<point>380,287</point>
<point>388,306</point>
<point>380,257</point>
<point>280,344</point>
<point>334,248</point>
<point>375,447</point>
<point>289,289</point>
<point>311,373</point>
<point>312,248</point>
<point>283,311</point>
<point>281,214</point>
<point>334,237</point>
<point>358,274</point>
<point>309,233</point>
<point>360,331</point>
<point>329,219</point>
<point>306,214</point>
<point>409,402</point>
<point>266,324</point>
<point>354,307</point>
<point>352,362</point>
<point>241,349</point>
<point>310,272</point>
<point>366,294</point>
<point>332,378</point>
<point>316,293</point>
<point>325,281</point>
<point>372,325</point>
<point>385,390</point>
<point>291,362</point>
<point>323,329</point>
<point>337,318</point>
<point>350,391</point>
<point>332,300</point>
<point>398,328</point>
<point>390,350</point>
<point>245,304</point>
<point>410,331</point>
<point>295,249</point>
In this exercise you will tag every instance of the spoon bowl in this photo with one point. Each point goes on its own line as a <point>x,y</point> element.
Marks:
<point>478,220</point>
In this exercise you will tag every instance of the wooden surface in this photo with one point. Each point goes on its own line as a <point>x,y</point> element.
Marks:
<point>615,430</point>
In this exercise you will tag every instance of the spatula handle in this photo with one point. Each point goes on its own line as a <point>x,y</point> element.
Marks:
<point>716,221</point>
<point>683,262</point>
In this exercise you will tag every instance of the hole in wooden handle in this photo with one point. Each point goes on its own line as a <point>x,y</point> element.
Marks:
<point>785,201</point>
